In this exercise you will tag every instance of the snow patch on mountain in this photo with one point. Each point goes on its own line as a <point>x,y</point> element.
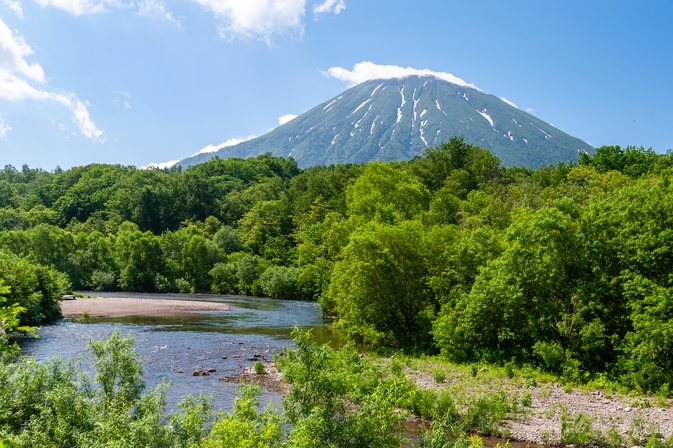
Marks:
<point>160,166</point>
<point>508,102</point>
<point>230,142</point>
<point>487,116</point>
<point>377,88</point>
<point>360,107</point>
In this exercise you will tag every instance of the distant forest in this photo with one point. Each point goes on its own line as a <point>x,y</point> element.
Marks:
<point>567,268</point>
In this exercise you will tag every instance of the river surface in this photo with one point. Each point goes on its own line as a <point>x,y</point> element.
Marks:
<point>172,348</point>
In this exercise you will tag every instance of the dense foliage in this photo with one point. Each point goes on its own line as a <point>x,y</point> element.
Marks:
<point>566,268</point>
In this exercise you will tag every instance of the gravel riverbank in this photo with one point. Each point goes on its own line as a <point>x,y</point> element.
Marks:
<point>119,306</point>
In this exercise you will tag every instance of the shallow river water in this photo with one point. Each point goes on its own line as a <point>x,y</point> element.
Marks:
<point>173,347</point>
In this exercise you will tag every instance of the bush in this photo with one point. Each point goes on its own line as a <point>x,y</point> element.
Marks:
<point>259,368</point>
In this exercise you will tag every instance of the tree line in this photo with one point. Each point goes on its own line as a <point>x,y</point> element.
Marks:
<point>566,268</point>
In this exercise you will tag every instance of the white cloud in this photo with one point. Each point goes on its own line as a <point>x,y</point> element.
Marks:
<point>156,8</point>
<point>84,122</point>
<point>230,142</point>
<point>4,127</point>
<point>333,6</point>
<point>365,71</point>
<point>16,75</point>
<point>75,7</point>
<point>285,118</point>
<point>508,102</point>
<point>530,110</point>
<point>257,17</point>
<point>15,6</point>
<point>161,166</point>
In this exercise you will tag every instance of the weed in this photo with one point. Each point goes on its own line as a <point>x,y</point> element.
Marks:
<point>259,368</point>
<point>395,366</point>
<point>578,430</point>
<point>485,414</point>
<point>445,408</point>
<point>526,399</point>
<point>439,375</point>
<point>476,442</point>
<point>640,431</point>
<point>509,371</point>
<point>423,402</point>
<point>548,436</point>
<point>474,370</point>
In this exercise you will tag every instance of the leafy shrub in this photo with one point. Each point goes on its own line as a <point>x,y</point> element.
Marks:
<point>183,286</point>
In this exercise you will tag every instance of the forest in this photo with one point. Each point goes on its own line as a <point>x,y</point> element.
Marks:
<point>567,268</point>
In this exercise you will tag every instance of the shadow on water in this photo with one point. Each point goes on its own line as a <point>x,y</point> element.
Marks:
<point>173,347</point>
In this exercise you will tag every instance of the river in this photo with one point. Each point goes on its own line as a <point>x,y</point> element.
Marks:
<point>173,347</point>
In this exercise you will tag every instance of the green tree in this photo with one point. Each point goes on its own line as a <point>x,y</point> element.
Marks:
<point>387,194</point>
<point>139,259</point>
<point>379,287</point>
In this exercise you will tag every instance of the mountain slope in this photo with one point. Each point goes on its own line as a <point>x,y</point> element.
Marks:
<point>396,119</point>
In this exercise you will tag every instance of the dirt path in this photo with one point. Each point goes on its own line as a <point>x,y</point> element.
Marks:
<point>117,306</point>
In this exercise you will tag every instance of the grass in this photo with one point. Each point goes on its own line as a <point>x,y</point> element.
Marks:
<point>84,318</point>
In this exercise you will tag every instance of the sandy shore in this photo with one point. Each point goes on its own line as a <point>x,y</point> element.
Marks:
<point>117,306</point>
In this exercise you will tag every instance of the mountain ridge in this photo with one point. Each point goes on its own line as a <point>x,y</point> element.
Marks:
<point>398,118</point>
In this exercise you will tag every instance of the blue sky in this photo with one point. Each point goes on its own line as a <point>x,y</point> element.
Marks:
<point>139,81</point>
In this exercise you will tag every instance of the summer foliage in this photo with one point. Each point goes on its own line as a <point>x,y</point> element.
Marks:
<point>566,268</point>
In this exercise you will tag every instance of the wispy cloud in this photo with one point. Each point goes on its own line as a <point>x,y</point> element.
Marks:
<point>4,127</point>
<point>123,99</point>
<point>285,118</point>
<point>257,18</point>
<point>15,7</point>
<point>330,6</point>
<point>156,9</point>
<point>17,77</point>
<point>79,7</point>
<point>365,71</point>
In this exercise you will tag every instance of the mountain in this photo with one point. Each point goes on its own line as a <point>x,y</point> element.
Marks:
<point>396,119</point>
